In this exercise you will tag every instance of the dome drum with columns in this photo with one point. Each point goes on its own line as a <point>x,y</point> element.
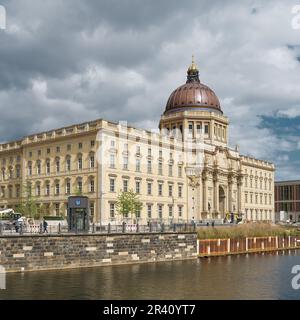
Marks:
<point>194,108</point>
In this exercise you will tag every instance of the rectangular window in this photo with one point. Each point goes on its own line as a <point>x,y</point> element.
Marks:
<point>80,145</point>
<point>180,172</point>
<point>92,161</point>
<point>191,128</point>
<point>206,129</point>
<point>38,170</point>
<point>58,149</point>
<point>92,209</point>
<point>68,188</point>
<point>149,188</point>
<point>180,211</point>
<point>57,209</point>
<point>149,211</point>
<point>171,211</point>
<point>160,211</point>
<point>170,170</point>
<point>125,163</point>
<point>149,166</point>
<point>92,186</point>
<point>112,210</point>
<point>69,147</point>
<point>92,143</point>
<point>57,188</point>
<point>170,190</point>
<point>57,165</point>
<point>160,189</point>
<point>149,152</point>
<point>112,162</point>
<point>125,185</point>
<point>29,169</point>
<point>160,167</point>
<point>80,163</point>
<point>48,150</point>
<point>79,186</point>
<point>112,185</point>
<point>138,187</point>
<point>47,189</point>
<point>68,164</point>
<point>138,165</point>
<point>180,191</point>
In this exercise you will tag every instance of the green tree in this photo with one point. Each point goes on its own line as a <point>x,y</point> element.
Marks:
<point>128,204</point>
<point>28,206</point>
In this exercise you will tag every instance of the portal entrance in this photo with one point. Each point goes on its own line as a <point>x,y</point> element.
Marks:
<point>78,214</point>
<point>222,201</point>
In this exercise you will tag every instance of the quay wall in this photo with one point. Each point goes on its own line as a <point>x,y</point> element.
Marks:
<point>46,252</point>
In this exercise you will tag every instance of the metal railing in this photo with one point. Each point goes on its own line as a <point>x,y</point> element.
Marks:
<point>96,228</point>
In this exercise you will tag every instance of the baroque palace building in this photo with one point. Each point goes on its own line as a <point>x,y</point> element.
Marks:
<point>184,171</point>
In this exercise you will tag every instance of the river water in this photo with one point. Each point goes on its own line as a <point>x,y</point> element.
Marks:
<point>255,276</point>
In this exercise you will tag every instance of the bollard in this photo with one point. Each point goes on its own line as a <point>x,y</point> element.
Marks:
<point>108,228</point>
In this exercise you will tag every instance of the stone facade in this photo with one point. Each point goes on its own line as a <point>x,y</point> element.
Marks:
<point>29,253</point>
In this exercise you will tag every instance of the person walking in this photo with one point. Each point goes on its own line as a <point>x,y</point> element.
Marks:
<point>45,226</point>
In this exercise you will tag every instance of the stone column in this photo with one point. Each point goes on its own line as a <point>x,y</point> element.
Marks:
<point>229,196</point>
<point>239,195</point>
<point>216,195</point>
<point>204,193</point>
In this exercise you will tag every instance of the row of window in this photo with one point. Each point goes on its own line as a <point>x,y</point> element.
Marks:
<point>138,187</point>
<point>258,198</point>
<point>57,189</point>
<point>255,214</point>
<point>125,165</point>
<point>58,149</point>
<point>150,208</point>
<point>267,184</point>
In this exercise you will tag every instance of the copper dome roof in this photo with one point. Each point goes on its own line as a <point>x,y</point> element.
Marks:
<point>193,95</point>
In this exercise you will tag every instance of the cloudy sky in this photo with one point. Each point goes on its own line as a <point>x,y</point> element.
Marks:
<point>65,62</point>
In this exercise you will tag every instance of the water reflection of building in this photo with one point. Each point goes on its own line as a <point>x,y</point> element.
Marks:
<point>187,170</point>
<point>287,198</point>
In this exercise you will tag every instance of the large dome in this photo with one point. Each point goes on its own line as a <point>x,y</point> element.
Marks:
<point>193,95</point>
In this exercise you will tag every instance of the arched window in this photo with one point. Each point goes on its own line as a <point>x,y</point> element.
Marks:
<point>68,186</point>
<point>48,166</point>
<point>91,184</point>
<point>29,168</point>
<point>68,163</point>
<point>92,160</point>
<point>79,161</point>
<point>57,165</point>
<point>38,167</point>
<point>79,185</point>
